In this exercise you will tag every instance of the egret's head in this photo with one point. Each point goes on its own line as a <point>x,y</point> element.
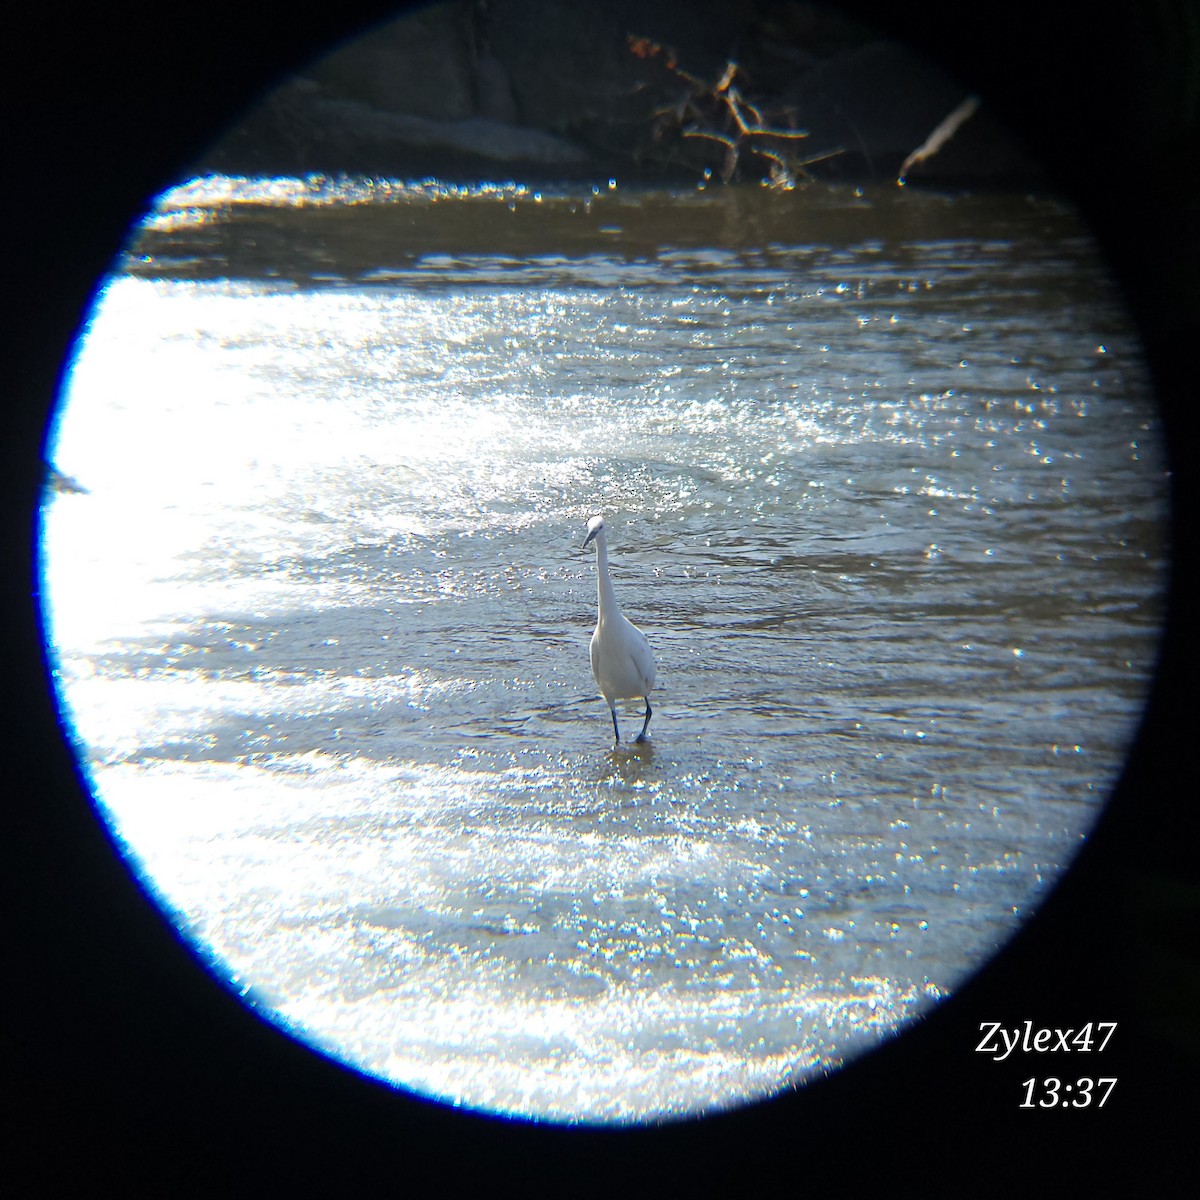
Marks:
<point>594,527</point>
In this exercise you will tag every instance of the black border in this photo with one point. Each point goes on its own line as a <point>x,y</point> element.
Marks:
<point>130,1068</point>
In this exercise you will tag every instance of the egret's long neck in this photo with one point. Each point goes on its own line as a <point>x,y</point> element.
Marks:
<point>604,588</point>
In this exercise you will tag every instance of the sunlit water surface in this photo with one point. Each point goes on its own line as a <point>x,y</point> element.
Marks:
<point>883,485</point>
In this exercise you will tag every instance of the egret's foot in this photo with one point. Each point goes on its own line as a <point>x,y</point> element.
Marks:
<point>641,737</point>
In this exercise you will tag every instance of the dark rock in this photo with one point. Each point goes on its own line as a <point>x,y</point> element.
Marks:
<point>557,88</point>
<point>494,88</point>
<point>303,128</point>
<point>421,65</point>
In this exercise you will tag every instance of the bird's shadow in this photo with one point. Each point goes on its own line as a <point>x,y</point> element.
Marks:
<point>627,760</point>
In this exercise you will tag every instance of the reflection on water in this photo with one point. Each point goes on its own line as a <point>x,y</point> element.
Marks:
<point>883,485</point>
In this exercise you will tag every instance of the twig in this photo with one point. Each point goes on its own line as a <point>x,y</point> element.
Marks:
<point>720,113</point>
<point>943,132</point>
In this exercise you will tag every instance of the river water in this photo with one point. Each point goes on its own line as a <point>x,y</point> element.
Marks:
<point>883,483</point>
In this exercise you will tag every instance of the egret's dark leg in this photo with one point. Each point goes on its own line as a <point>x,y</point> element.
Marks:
<point>616,731</point>
<point>641,737</point>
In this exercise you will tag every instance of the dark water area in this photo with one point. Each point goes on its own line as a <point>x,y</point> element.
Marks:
<point>353,229</point>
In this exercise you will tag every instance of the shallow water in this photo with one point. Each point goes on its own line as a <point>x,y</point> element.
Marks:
<point>884,487</point>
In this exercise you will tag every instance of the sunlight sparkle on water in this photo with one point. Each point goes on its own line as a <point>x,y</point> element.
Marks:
<point>320,619</point>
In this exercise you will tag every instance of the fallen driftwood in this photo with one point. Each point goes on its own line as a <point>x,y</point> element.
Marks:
<point>944,131</point>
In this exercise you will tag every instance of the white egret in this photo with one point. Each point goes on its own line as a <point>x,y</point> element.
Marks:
<point>622,661</point>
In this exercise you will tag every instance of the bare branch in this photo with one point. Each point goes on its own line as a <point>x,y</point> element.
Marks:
<point>722,114</point>
<point>944,131</point>
<point>723,138</point>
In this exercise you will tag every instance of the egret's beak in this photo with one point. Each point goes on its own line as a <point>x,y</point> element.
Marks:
<point>587,541</point>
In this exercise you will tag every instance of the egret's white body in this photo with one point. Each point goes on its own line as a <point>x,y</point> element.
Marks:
<point>622,661</point>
